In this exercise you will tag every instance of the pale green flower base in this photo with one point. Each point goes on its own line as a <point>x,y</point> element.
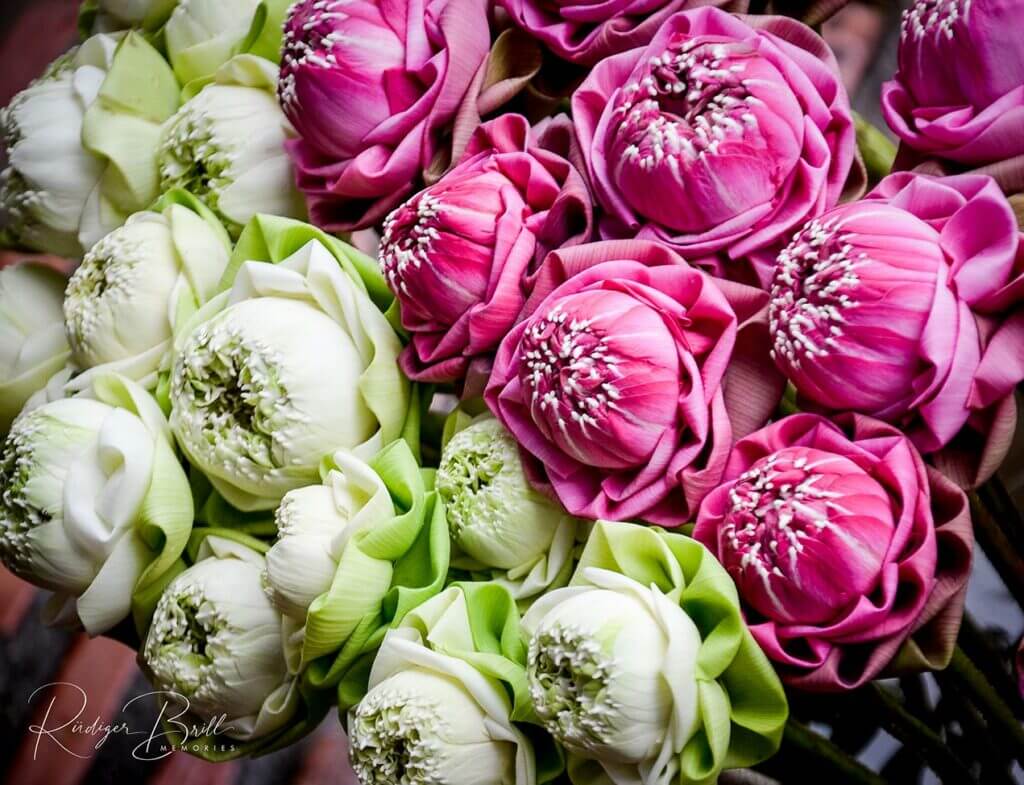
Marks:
<point>742,706</point>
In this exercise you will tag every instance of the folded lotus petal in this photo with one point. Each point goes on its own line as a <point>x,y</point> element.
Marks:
<point>849,554</point>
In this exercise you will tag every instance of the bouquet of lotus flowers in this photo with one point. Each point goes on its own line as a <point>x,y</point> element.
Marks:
<point>548,392</point>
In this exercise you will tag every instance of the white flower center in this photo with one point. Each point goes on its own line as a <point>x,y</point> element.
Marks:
<point>691,101</point>
<point>394,739</point>
<point>570,369</point>
<point>106,276</point>
<point>407,241</point>
<point>569,677</point>
<point>937,16</point>
<point>311,36</point>
<point>776,506</point>
<point>191,157</point>
<point>17,516</point>
<point>814,279</point>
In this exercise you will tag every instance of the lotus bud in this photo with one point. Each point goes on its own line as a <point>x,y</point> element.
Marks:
<point>496,518</point>
<point>271,380</point>
<point>226,146</point>
<point>32,343</point>
<point>133,286</point>
<point>85,485</point>
<point>216,642</point>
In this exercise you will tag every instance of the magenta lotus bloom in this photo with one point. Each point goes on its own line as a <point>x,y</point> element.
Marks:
<point>906,306</point>
<point>370,86</point>
<point>718,138</point>
<point>456,255</point>
<point>584,31</point>
<point>843,545</point>
<point>629,378</point>
<point>959,91</point>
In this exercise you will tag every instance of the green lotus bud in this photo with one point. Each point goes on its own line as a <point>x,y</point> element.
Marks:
<point>226,146</point>
<point>496,518</point>
<point>294,363</point>
<point>216,641</point>
<point>131,289</point>
<point>612,669</point>
<point>85,483</point>
<point>32,343</point>
<point>430,717</point>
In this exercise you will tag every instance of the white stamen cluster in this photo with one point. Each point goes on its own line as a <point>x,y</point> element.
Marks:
<point>569,675</point>
<point>393,739</point>
<point>570,370</point>
<point>478,475</point>
<point>937,16</point>
<point>17,516</point>
<point>691,101</point>
<point>17,199</point>
<point>106,277</point>
<point>409,233</point>
<point>193,158</point>
<point>229,397</point>
<point>186,629</point>
<point>815,277</point>
<point>310,39</point>
<point>774,507</point>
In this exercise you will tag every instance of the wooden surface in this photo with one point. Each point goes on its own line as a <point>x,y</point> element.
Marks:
<point>32,33</point>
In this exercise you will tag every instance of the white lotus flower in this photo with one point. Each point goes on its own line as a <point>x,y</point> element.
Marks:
<point>131,289</point>
<point>432,718</point>
<point>32,343</point>
<point>313,525</point>
<point>215,640</point>
<point>50,176</point>
<point>496,518</point>
<point>226,146</point>
<point>80,479</point>
<point>202,35</point>
<point>612,673</point>
<point>294,363</point>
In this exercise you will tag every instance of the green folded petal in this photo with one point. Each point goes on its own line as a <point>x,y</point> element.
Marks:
<point>742,706</point>
<point>123,127</point>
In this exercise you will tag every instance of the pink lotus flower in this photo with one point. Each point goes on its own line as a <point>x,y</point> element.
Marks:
<point>370,87</point>
<point>629,378</point>
<point>843,545</point>
<point>905,306</point>
<point>959,91</point>
<point>585,31</point>
<point>718,138</point>
<point>456,254</point>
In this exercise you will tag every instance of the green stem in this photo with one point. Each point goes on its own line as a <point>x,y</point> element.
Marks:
<point>991,661</point>
<point>828,756</point>
<point>997,714</point>
<point>998,549</point>
<point>928,745</point>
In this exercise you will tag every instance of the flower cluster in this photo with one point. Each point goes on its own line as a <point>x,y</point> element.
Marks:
<point>575,432</point>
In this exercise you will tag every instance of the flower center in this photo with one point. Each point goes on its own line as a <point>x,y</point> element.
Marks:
<point>776,507</point>
<point>570,370</point>
<point>311,35</point>
<point>692,100</point>
<point>569,676</point>
<point>477,477</point>
<point>107,273</point>
<point>409,234</point>
<point>938,16</point>
<point>177,648</point>
<point>190,158</point>
<point>394,739</point>
<point>814,279</point>
<point>17,516</point>
<point>226,388</point>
